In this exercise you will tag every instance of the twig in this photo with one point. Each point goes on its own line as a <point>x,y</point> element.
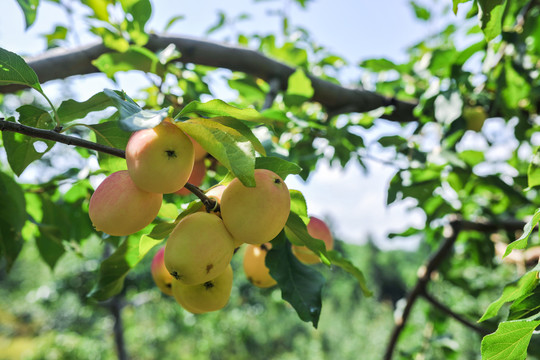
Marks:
<point>436,303</point>
<point>61,63</point>
<point>56,136</point>
<point>75,141</point>
<point>436,259</point>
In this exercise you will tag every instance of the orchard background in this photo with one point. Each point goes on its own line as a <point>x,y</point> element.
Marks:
<point>446,127</point>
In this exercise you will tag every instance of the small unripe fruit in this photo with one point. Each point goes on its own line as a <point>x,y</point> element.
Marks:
<point>255,267</point>
<point>196,177</point>
<point>119,208</point>
<point>160,159</point>
<point>198,249</point>
<point>318,230</point>
<point>256,215</point>
<point>161,276</point>
<point>212,295</point>
<point>475,116</point>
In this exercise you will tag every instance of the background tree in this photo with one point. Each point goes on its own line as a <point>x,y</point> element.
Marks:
<point>465,100</point>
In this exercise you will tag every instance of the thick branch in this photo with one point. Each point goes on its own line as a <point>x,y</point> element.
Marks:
<point>62,63</point>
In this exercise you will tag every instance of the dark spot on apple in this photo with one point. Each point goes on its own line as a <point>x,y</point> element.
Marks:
<point>171,153</point>
<point>176,275</point>
<point>209,267</point>
<point>208,285</point>
<point>277,181</point>
<point>169,285</point>
<point>264,247</point>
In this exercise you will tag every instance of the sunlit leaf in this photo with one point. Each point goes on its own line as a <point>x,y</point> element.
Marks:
<point>220,108</point>
<point>110,134</point>
<point>533,173</point>
<point>99,7</point>
<point>14,70</point>
<point>510,341</point>
<point>299,88</point>
<point>135,58</point>
<point>70,109</point>
<point>29,8</point>
<point>521,242</point>
<point>512,292</point>
<point>337,259</point>
<point>280,166</point>
<point>490,14</point>
<point>227,145</point>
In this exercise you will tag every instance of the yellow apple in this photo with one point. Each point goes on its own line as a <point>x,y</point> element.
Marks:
<point>196,177</point>
<point>198,249</point>
<point>161,276</point>
<point>209,296</point>
<point>160,159</point>
<point>318,230</point>
<point>119,208</point>
<point>255,267</point>
<point>256,215</point>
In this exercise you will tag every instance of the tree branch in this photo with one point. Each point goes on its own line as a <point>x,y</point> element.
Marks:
<point>433,263</point>
<point>436,303</point>
<point>62,63</point>
<point>75,141</point>
<point>58,137</point>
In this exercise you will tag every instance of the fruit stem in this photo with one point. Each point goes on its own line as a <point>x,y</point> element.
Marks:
<point>210,204</point>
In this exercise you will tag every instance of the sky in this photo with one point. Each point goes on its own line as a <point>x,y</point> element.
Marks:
<point>350,200</point>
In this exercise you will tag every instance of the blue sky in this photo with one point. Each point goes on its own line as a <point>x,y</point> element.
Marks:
<point>352,201</point>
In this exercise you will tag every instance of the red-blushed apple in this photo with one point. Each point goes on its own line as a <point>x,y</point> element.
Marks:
<point>196,177</point>
<point>318,230</point>
<point>198,249</point>
<point>256,215</point>
<point>161,276</point>
<point>200,153</point>
<point>255,266</point>
<point>160,159</point>
<point>118,207</point>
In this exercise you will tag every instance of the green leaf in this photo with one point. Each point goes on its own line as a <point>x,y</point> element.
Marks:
<point>14,70</point>
<point>131,116</point>
<point>140,11</point>
<point>513,291</point>
<point>533,172</point>
<point>516,87</point>
<point>300,285</point>
<point>135,58</point>
<point>227,145</point>
<point>29,8</point>
<point>70,110</point>
<point>172,21</point>
<point>337,259</point>
<point>114,269</point>
<point>510,341</point>
<point>244,130</point>
<point>50,239</point>
<point>378,65</point>
<point>526,306</point>
<point>53,39</point>
<point>12,219</point>
<point>280,166</point>
<point>420,12</point>
<point>490,14</point>
<point>110,134</point>
<point>299,89</point>
<point>20,148</point>
<point>456,3</point>
<point>219,24</point>
<point>299,205</point>
<point>521,243</point>
<point>298,229</point>
<point>99,7</point>
<point>220,108</point>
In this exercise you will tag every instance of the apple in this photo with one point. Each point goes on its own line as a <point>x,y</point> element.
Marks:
<point>209,296</point>
<point>255,267</point>
<point>475,116</point>
<point>118,207</point>
<point>256,215</point>
<point>161,276</point>
<point>200,153</point>
<point>196,177</point>
<point>318,230</point>
<point>160,159</point>
<point>198,249</point>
